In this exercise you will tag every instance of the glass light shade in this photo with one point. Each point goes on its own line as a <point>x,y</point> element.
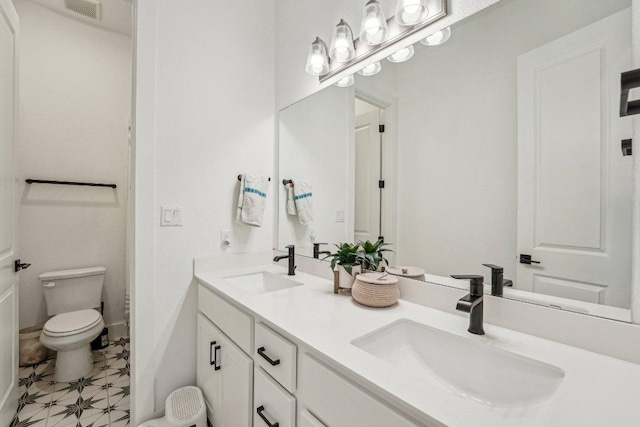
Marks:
<point>437,38</point>
<point>318,60</point>
<point>346,82</point>
<point>373,27</point>
<point>371,70</point>
<point>411,12</point>
<point>402,55</point>
<point>342,49</point>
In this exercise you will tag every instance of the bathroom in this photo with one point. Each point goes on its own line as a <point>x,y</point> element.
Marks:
<point>219,90</point>
<point>74,118</point>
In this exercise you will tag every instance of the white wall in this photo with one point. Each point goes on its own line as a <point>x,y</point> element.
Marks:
<point>316,144</point>
<point>458,134</point>
<point>75,102</point>
<point>205,113</point>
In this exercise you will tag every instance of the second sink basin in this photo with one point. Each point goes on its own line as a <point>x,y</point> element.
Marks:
<point>475,370</point>
<point>261,282</point>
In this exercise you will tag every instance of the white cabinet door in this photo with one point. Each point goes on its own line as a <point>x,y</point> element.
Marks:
<point>225,375</point>
<point>206,377</point>
<point>8,278</point>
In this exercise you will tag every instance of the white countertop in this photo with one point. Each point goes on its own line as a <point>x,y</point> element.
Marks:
<point>597,390</point>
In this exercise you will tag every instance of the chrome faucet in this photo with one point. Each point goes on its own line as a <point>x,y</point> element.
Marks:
<point>473,303</point>
<point>292,259</point>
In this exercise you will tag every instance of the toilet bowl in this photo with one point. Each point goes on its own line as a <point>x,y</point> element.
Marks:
<point>71,296</point>
<point>70,334</point>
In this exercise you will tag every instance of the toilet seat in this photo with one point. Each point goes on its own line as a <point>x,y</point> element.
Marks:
<point>72,323</point>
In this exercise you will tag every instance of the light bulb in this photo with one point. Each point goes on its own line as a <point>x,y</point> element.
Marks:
<point>373,26</point>
<point>317,60</point>
<point>371,70</point>
<point>345,82</point>
<point>342,48</point>
<point>437,38</point>
<point>402,55</point>
<point>411,12</point>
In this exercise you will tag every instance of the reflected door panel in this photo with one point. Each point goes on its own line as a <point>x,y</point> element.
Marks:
<point>574,210</point>
<point>367,194</point>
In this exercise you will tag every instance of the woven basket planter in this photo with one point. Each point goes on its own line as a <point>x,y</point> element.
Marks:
<point>370,290</point>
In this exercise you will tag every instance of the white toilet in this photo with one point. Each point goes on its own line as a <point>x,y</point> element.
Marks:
<point>72,297</point>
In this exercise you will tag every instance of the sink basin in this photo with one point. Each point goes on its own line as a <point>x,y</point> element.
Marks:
<point>474,370</point>
<point>262,282</point>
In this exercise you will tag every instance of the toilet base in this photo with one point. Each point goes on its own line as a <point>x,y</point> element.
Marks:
<point>73,364</point>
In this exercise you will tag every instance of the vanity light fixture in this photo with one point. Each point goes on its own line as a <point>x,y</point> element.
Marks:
<point>373,27</point>
<point>411,12</point>
<point>437,38</point>
<point>402,55</point>
<point>345,82</point>
<point>371,70</point>
<point>318,59</point>
<point>342,49</point>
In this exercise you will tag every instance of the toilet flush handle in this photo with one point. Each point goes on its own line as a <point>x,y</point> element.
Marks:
<point>49,285</point>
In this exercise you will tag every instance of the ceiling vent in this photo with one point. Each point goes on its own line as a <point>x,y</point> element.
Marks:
<point>89,8</point>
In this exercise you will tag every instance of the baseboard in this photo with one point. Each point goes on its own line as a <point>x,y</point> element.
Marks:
<point>118,330</point>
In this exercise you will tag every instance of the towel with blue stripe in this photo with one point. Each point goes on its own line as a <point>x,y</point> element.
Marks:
<point>252,199</point>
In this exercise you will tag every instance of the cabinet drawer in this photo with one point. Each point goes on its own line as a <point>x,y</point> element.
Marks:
<point>308,420</point>
<point>235,323</point>
<point>341,403</point>
<point>276,355</point>
<point>271,403</point>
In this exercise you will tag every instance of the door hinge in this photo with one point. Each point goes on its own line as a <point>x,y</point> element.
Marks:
<point>381,128</point>
<point>381,184</point>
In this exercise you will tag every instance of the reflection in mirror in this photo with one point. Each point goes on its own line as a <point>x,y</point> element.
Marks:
<point>501,146</point>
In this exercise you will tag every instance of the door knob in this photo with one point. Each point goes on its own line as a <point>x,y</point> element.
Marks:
<point>17,265</point>
<point>526,259</point>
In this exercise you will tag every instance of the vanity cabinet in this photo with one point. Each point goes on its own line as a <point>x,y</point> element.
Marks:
<point>282,382</point>
<point>225,375</point>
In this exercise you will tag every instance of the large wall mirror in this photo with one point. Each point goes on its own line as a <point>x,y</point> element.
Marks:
<point>500,146</point>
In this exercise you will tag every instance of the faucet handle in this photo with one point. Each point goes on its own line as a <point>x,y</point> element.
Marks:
<point>494,268</point>
<point>290,246</point>
<point>477,282</point>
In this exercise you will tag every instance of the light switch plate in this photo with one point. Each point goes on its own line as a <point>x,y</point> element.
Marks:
<point>339,216</point>
<point>170,216</point>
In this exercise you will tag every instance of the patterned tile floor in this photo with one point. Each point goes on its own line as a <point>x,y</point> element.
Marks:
<point>99,399</point>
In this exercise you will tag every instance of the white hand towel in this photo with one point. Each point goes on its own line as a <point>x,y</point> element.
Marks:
<point>291,202</point>
<point>252,200</point>
<point>304,201</point>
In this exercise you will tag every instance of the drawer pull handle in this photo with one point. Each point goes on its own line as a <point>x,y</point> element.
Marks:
<point>214,357</point>
<point>264,418</point>
<point>218,356</point>
<point>267,358</point>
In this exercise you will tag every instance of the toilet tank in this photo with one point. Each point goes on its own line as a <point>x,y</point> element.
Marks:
<point>72,290</point>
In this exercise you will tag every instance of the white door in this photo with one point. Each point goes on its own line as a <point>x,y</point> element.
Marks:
<point>574,185</point>
<point>368,162</point>
<point>8,279</point>
<point>228,389</point>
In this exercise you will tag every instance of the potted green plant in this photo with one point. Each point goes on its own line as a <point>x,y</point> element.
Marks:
<point>347,260</point>
<point>372,254</point>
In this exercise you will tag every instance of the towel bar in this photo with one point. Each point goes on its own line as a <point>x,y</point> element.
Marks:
<point>86,184</point>
<point>240,178</point>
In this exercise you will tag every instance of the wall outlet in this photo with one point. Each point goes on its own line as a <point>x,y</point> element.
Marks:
<point>225,238</point>
<point>170,216</point>
<point>339,216</point>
